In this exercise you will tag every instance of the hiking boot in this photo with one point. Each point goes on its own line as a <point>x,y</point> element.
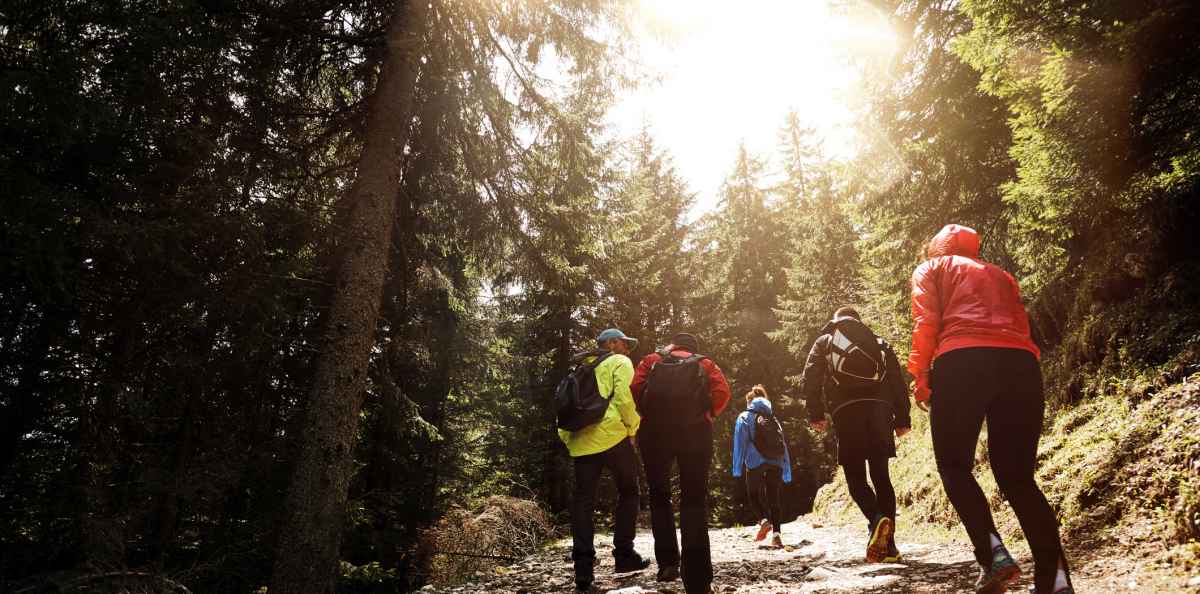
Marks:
<point>893,554</point>
<point>764,527</point>
<point>669,573</point>
<point>634,562</point>
<point>777,541</point>
<point>877,547</point>
<point>995,578</point>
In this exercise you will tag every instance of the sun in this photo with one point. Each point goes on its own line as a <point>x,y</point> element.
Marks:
<point>725,73</point>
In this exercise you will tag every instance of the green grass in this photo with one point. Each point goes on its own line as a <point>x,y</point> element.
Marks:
<point>1114,466</point>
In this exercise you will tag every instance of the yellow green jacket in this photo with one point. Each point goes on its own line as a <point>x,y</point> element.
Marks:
<point>620,421</point>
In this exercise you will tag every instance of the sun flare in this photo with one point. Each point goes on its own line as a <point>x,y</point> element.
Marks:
<point>723,75</point>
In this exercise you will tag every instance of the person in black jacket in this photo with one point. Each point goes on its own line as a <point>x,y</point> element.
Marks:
<point>855,376</point>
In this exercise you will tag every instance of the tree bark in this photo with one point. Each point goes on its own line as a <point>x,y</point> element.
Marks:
<point>306,558</point>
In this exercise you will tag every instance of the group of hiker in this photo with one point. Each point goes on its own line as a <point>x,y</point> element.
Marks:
<point>972,359</point>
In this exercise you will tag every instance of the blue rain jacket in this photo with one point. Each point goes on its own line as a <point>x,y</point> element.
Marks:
<point>745,455</point>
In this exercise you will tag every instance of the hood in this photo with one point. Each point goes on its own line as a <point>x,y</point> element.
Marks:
<point>760,405</point>
<point>954,240</point>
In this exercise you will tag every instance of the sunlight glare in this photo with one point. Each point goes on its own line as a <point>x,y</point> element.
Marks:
<point>726,73</point>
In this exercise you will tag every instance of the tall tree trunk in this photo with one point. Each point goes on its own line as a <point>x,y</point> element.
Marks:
<point>310,533</point>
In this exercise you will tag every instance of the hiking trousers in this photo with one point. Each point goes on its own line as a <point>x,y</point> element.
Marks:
<point>621,461</point>
<point>1002,386</point>
<point>762,488</point>
<point>691,448</point>
<point>877,503</point>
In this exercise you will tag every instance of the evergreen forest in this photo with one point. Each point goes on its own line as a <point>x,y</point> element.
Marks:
<point>287,286</point>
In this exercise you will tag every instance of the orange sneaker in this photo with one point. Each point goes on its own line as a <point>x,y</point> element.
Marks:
<point>764,528</point>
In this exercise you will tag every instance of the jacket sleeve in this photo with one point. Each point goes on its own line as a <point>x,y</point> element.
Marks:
<point>927,323</point>
<point>622,398</point>
<point>741,439</point>
<point>638,385</point>
<point>718,387</point>
<point>787,463</point>
<point>814,379</point>
<point>897,389</point>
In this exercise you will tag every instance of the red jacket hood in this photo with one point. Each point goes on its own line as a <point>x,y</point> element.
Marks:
<point>954,240</point>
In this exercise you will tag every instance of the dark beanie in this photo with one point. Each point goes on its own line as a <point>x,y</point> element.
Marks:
<point>687,342</point>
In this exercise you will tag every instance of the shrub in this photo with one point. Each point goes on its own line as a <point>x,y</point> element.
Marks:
<point>468,542</point>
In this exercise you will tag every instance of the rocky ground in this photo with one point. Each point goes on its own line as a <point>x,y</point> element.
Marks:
<point>824,559</point>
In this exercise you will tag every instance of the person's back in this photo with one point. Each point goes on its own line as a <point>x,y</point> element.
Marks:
<point>975,361</point>
<point>867,402</point>
<point>760,453</point>
<point>960,301</point>
<point>679,394</point>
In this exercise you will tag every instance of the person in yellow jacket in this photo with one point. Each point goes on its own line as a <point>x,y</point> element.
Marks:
<point>607,444</point>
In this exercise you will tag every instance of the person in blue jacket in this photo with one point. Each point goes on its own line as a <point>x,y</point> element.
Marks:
<point>765,475</point>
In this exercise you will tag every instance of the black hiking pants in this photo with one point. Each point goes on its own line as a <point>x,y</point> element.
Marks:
<point>877,503</point>
<point>691,448</point>
<point>1004,387</point>
<point>762,488</point>
<point>621,461</point>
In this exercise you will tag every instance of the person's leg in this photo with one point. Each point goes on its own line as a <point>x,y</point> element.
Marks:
<point>885,494</point>
<point>621,460</point>
<point>583,552</point>
<point>956,417</point>
<point>774,481</point>
<point>695,457</point>
<point>657,457</point>
<point>1014,426</point>
<point>754,492</point>
<point>860,491</point>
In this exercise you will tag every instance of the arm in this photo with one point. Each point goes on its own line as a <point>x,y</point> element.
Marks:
<point>787,462</point>
<point>622,398</point>
<point>814,379</point>
<point>718,387</point>
<point>897,389</point>
<point>741,440</point>
<point>927,323</point>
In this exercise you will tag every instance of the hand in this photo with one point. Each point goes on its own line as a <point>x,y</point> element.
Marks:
<point>921,391</point>
<point>902,431</point>
<point>633,441</point>
<point>819,425</point>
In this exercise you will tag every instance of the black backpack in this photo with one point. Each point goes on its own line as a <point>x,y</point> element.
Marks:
<point>578,402</point>
<point>676,391</point>
<point>855,356</point>
<point>768,436</point>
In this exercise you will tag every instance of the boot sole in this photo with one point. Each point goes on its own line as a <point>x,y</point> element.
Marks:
<point>877,549</point>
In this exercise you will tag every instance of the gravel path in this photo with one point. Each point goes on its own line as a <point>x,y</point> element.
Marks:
<point>815,559</point>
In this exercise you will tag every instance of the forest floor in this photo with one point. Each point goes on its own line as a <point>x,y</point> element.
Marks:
<point>819,558</point>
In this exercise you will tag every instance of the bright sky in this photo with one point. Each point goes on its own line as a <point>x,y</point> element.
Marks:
<point>729,72</point>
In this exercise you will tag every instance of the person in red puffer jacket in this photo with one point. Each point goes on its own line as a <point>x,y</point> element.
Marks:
<point>974,360</point>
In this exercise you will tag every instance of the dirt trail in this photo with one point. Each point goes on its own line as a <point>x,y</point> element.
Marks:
<point>825,559</point>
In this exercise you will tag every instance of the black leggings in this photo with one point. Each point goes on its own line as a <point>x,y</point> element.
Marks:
<point>762,487</point>
<point>881,501</point>
<point>1004,387</point>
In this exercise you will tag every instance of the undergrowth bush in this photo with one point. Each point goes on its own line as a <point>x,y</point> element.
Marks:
<point>466,542</point>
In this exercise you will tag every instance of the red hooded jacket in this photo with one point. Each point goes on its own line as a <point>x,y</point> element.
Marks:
<point>959,301</point>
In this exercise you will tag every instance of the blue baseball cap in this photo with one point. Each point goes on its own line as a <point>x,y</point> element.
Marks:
<point>612,333</point>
